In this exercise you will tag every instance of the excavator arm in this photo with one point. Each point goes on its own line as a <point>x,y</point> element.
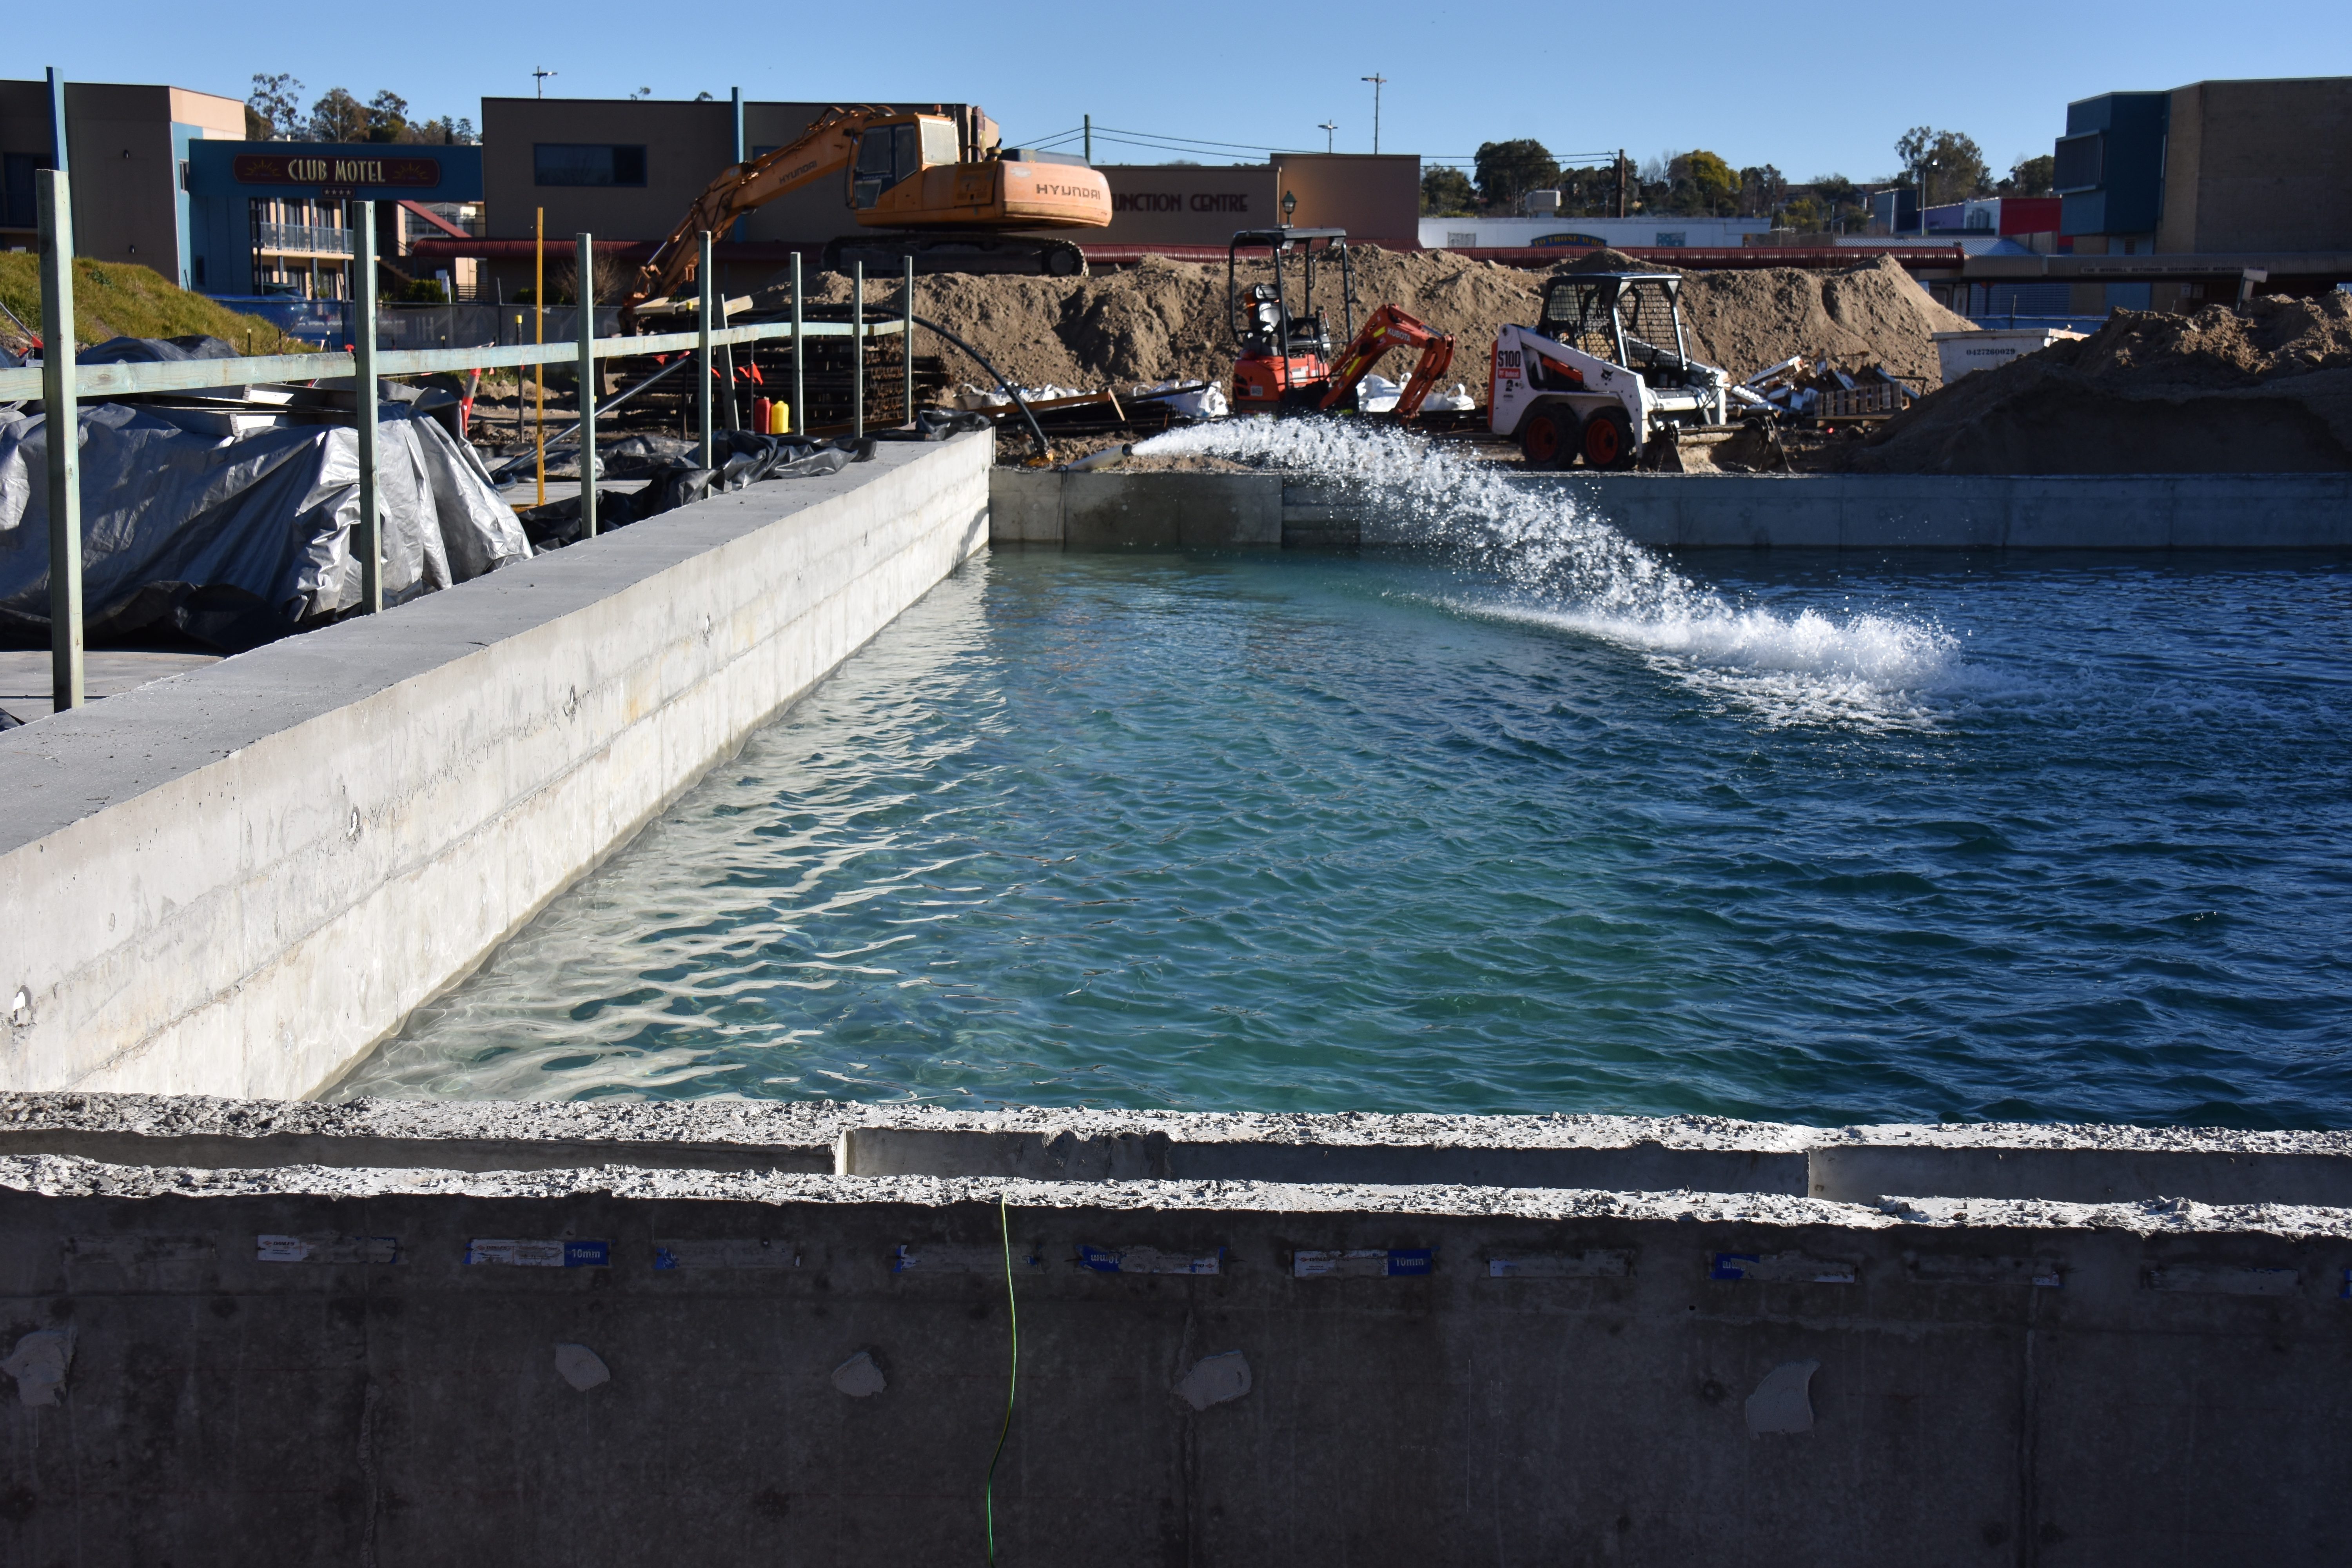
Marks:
<point>826,148</point>
<point>1390,327</point>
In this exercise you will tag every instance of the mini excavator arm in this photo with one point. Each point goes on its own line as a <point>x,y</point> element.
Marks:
<point>826,148</point>
<point>1387,328</point>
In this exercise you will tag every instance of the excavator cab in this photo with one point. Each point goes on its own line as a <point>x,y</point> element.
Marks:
<point>888,153</point>
<point>1284,352</point>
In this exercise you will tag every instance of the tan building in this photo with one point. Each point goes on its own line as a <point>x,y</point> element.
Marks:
<point>628,170</point>
<point>129,149</point>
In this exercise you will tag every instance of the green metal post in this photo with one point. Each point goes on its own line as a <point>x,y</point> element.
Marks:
<point>702,357</point>
<point>58,121</point>
<point>800,360</point>
<point>367,535</point>
<point>906,343</point>
<point>53,193</point>
<point>585,300</point>
<point>857,350</point>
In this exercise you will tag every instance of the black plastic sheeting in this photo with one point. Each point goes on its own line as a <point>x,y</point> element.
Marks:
<point>673,480</point>
<point>236,542</point>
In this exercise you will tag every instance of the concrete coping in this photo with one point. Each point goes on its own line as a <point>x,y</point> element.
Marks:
<point>73,765</point>
<point>1872,1165</point>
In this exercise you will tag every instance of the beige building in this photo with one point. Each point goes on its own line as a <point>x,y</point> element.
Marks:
<point>2254,166</point>
<point>129,149</point>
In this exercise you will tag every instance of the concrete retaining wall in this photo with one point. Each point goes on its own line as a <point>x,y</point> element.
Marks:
<point>365,1362</point>
<point>238,879</point>
<point>1112,508</point>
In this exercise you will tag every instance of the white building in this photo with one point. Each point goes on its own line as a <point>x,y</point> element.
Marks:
<point>1624,233</point>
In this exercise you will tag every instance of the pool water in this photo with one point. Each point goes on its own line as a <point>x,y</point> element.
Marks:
<point>1825,840</point>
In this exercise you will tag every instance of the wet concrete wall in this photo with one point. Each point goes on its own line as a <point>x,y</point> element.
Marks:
<point>237,879</point>
<point>411,1362</point>
<point>1111,509</point>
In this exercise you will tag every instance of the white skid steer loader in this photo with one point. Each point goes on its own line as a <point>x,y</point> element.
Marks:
<point>1603,374</point>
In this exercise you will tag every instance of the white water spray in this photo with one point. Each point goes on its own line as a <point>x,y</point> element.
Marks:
<point>1558,565</point>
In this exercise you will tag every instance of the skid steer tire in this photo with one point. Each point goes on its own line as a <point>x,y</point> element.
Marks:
<point>1608,440</point>
<point>1548,439</point>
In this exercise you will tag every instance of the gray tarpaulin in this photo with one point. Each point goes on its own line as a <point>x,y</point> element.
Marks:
<point>238,541</point>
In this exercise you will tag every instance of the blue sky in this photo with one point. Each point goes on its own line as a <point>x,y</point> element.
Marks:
<point>1812,93</point>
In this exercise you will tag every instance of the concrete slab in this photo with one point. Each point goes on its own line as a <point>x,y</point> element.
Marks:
<point>26,676</point>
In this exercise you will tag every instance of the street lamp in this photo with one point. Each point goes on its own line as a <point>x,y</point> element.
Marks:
<point>1377,82</point>
<point>1289,206</point>
<point>540,78</point>
<point>1329,128</point>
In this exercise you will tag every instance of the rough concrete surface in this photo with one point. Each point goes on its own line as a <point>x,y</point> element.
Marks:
<point>302,1365</point>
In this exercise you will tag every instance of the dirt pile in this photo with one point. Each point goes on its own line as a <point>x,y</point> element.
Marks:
<point>1166,319</point>
<point>2267,391</point>
<point>1861,316</point>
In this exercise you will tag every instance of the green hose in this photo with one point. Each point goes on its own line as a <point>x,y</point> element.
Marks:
<point>988,1490</point>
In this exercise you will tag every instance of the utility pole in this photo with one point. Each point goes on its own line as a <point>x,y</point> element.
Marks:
<point>1378,83</point>
<point>1089,121</point>
<point>1329,128</point>
<point>1620,183</point>
<point>539,79</point>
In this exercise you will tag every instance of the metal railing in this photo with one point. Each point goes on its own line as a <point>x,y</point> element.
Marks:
<point>324,239</point>
<point>60,383</point>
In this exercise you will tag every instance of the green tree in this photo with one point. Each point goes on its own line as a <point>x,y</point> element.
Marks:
<point>1953,165</point>
<point>1701,183</point>
<point>387,117</point>
<point>1447,193</point>
<point>1760,191</point>
<point>273,110</point>
<point>2031,177</point>
<point>1509,170</point>
<point>443,132</point>
<point>338,116</point>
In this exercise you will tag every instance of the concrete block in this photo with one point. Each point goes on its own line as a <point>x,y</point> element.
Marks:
<point>1111,509</point>
<point>1025,506</point>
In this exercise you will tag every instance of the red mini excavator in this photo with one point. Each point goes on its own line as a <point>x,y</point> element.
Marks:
<point>1284,366</point>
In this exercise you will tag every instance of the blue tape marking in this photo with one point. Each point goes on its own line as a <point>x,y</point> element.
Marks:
<point>1411,1260</point>
<point>663,1257</point>
<point>587,1254</point>
<point>1726,1265</point>
<point>1100,1260</point>
<point>2346,1294</point>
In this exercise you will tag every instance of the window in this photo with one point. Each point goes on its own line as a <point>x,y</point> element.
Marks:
<point>1673,236</point>
<point>2080,162</point>
<point>586,164</point>
<point>17,193</point>
<point>940,143</point>
<point>1461,238</point>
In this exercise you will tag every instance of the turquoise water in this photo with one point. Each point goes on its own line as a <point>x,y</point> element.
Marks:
<point>1819,840</point>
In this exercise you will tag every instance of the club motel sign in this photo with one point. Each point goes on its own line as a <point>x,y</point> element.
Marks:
<point>345,173</point>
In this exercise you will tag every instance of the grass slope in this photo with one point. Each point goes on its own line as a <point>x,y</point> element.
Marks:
<point>124,300</point>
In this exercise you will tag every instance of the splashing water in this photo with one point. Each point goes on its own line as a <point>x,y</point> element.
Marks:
<point>1560,565</point>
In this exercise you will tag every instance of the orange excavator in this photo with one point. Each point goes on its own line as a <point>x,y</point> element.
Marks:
<point>940,186</point>
<point>1284,365</point>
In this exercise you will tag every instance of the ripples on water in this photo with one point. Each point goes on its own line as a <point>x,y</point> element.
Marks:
<point>1527,824</point>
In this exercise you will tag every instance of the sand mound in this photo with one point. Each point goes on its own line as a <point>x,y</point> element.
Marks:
<point>2267,391</point>
<point>1865,315</point>
<point>1164,319</point>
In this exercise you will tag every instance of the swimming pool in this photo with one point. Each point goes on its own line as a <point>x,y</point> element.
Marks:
<point>1819,841</point>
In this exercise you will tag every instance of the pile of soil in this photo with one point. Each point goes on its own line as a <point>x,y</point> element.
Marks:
<point>1163,320</point>
<point>2266,392</point>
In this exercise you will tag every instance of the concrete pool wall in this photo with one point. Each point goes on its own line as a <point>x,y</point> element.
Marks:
<point>585,1334</point>
<point>1110,509</point>
<point>238,879</point>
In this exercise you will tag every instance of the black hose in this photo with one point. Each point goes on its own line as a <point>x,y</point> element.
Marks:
<point>1044,450</point>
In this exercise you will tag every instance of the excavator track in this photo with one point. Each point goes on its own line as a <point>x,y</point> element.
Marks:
<point>989,253</point>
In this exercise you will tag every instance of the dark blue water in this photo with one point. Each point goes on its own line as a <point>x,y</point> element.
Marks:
<point>1850,840</point>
